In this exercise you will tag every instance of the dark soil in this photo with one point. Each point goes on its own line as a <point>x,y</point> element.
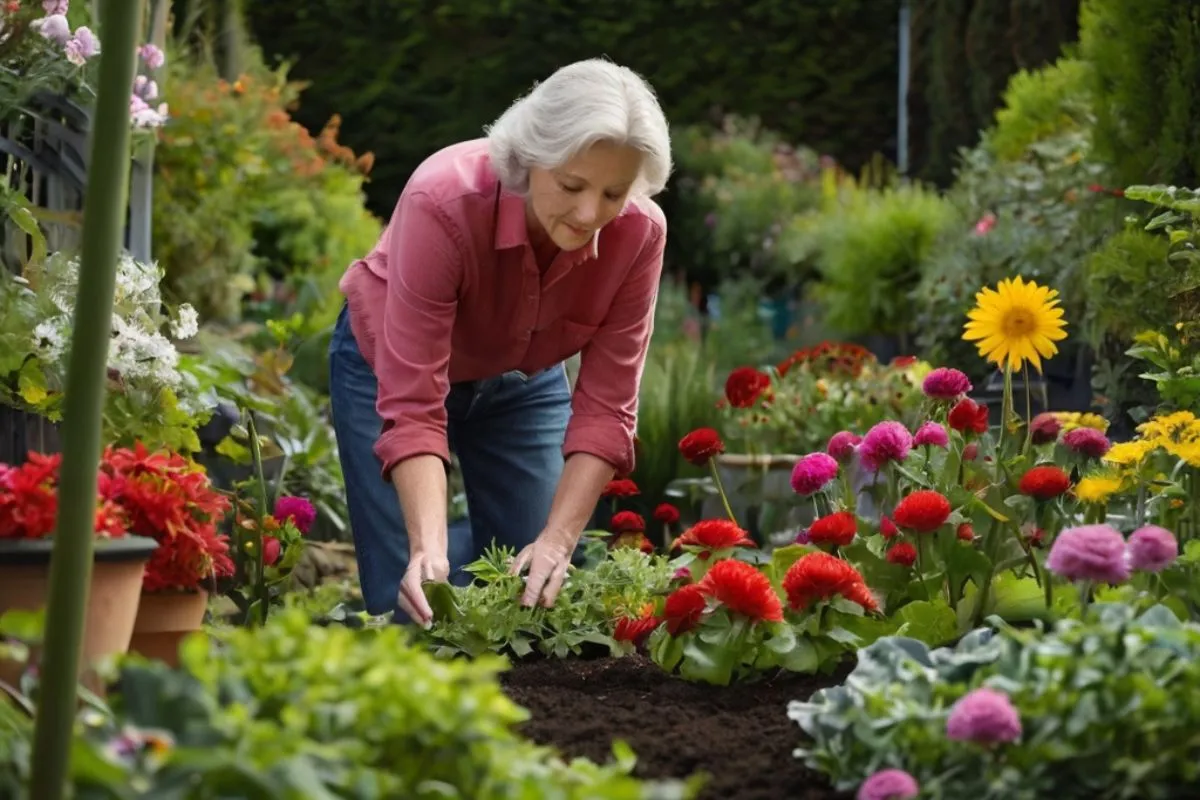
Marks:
<point>740,735</point>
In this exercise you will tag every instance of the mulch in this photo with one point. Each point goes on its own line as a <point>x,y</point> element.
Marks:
<point>740,735</point>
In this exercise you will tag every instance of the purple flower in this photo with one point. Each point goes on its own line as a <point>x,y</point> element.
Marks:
<point>841,445</point>
<point>151,56</point>
<point>802,537</point>
<point>887,441</point>
<point>947,384</point>
<point>298,510</point>
<point>54,27</point>
<point>932,434</point>
<point>83,45</point>
<point>52,7</point>
<point>145,88</point>
<point>1089,553</point>
<point>813,473</point>
<point>1087,442</point>
<point>984,716</point>
<point>889,784</point>
<point>682,574</point>
<point>1151,549</point>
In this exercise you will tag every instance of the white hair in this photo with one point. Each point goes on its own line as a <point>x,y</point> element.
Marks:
<point>579,105</point>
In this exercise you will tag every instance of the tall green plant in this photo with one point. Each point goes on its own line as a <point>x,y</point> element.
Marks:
<point>71,561</point>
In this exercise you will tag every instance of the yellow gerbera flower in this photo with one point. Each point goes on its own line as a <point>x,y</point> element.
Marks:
<point>1016,322</point>
<point>1128,454</point>
<point>1070,420</point>
<point>1098,488</point>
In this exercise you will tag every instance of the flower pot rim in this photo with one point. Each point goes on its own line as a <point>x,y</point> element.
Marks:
<point>23,552</point>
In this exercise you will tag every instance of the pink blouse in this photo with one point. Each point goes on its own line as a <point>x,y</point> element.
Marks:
<point>452,293</point>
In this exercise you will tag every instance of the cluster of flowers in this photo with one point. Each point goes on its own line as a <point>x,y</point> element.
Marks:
<point>629,527</point>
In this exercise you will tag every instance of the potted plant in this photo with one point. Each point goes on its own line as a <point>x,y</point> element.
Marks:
<point>28,516</point>
<point>170,499</point>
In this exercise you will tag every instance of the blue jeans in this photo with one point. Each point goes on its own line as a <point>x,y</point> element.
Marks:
<point>507,432</point>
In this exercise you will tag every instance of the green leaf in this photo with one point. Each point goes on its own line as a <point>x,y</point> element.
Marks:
<point>31,383</point>
<point>1017,599</point>
<point>930,621</point>
<point>442,601</point>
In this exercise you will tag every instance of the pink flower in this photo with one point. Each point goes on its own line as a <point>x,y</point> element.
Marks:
<point>813,473</point>
<point>1087,442</point>
<point>841,445</point>
<point>984,716</point>
<point>889,784</point>
<point>83,45</point>
<point>298,510</point>
<point>1151,549</point>
<point>52,7</point>
<point>1089,553</point>
<point>151,56</point>
<point>945,383</point>
<point>985,224</point>
<point>54,27</point>
<point>145,88</point>
<point>271,550</point>
<point>1044,428</point>
<point>887,441</point>
<point>931,434</point>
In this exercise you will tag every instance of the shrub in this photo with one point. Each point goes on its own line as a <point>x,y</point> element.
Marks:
<point>1040,104</point>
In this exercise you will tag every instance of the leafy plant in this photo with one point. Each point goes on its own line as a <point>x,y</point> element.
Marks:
<point>1040,104</point>
<point>1107,708</point>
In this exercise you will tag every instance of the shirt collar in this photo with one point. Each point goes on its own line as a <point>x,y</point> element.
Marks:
<point>511,231</point>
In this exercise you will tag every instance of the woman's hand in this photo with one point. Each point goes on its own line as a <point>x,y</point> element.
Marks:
<point>423,567</point>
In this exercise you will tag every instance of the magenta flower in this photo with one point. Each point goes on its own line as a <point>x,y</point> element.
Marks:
<point>947,384</point>
<point>1089,553</point>
<point>931,434</point>
<point>1151,549</point>
<point>813,473</point>
<point>887,441</point>
<point>984,716</point>
<point>841,445</point>
<point>1087,442</point>
<point>682,574</point>
<point>151,56</point>
<point>298,510</point>
<point>1044,428</point>
<point>889,784</point>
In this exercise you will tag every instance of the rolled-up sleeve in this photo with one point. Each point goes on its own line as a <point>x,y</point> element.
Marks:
<point>604,408</point>
<point>425,271</point>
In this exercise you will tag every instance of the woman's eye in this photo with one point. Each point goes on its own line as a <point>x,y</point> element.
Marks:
<point>571,189</point>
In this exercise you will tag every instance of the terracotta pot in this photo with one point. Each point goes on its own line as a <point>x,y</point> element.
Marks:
<point>163,619</point>
<point>118,568</point>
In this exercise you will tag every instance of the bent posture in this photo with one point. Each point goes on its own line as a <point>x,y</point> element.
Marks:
<point>504,257</point>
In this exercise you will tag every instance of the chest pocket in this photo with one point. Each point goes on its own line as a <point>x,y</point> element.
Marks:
<point>564,338</point>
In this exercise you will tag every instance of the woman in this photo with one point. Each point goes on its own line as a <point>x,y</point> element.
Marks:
<point>504,257</point>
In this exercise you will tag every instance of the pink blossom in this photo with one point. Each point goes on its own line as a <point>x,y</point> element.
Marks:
<point>1151,549</point>
<point>53,7</point>
<point>145,88</point>
<point>887,441</point>
<point>985,224</point>
<point>299,510</point>
<point>889,784</point>
<point>813,473</point>
<point>1087,442</point>
<point>83,45</point>
<point>54,27</point>
<point>682,574</point>
<point>945,383</point>
<point>985,716</point>
<point>841,445</point>
<point>1044,428</point>
<point>1089,553</point>
<point>931,434</point>
<point>151,56</point>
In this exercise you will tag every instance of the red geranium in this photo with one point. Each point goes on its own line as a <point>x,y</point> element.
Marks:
<point>837,528</point>
<point>683,608</point>
<point>743,590</point>
<point>620,488</point>
<point>903,554</point>
<point>923,511</point>
<point>715,534</point>
<point>967,416</point>
<point>666,513</point>
<point>636,630</point>
<point>819,576</point>
<point>628,522</point>
<point>745,385</point>
<point>701,445</point>
<point>1045,482</point>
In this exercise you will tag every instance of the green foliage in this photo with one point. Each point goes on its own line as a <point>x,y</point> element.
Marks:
<point>418,95</point>
<point>873,249</point>
<point>1039,105</point>
<point>1174,366</point>
<point>488,617</point>
<point>1145,56</point>
<point>1108,709</point>
<point>1127,281</point>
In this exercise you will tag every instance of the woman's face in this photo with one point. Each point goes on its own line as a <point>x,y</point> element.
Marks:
<point>570,203</point>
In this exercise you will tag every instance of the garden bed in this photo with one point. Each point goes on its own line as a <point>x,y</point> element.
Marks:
<point>740,735</point>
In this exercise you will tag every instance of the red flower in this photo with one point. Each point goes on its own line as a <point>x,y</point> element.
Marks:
<point>923,511</point>
<point>715,534</point>
<point>29,498</point>
<point>627,522</point>
<point>967,416</point>
<point>636,629</point>
<point>635,539</point>
<point>887,528</point>
<point>701,445</point>
<point>1045,482</point>
<point>965,532</point>
<point>271,550</point>
<point>620,488</point>
<point>819,576</point>
<point>683,609</point>
<point>903,554</point>
<point>745,385</point>
<point>743,590</point>
<point>837,528</point>
<point>1044,428</point>
<point>666,513</point>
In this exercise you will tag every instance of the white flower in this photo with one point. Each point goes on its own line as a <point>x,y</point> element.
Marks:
<point>187,323</point>
<point>49,339</point>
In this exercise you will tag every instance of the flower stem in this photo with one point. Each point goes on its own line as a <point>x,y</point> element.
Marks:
<point>263,511</point>
<point>1028,414</point>
<point>712,465</point>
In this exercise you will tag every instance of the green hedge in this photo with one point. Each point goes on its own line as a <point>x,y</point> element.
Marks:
<point>409,77</point>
